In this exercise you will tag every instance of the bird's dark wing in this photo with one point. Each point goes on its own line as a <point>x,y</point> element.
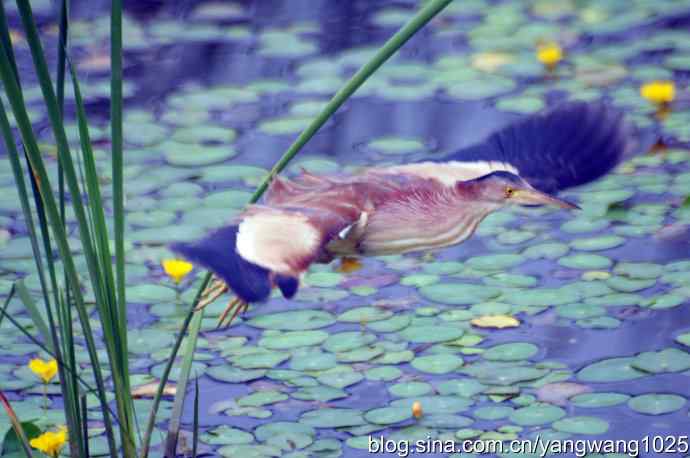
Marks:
<point>573,144</point>
<point>267,247</point>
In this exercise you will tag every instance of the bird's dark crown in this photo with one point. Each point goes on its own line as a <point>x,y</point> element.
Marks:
<point>501,174</point>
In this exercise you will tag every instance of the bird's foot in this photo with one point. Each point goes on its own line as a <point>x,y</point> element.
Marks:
<point>236,306</point>
<point>212,292</point>
<point>348,265</point>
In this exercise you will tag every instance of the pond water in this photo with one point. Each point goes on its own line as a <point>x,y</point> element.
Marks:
<point>216,92</point>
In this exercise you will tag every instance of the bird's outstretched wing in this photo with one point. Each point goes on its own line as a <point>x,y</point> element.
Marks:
<point>269,246</point>
<point>570,145</point>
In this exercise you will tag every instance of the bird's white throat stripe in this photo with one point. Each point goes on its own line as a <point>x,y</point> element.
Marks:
<point>450,172</point>
<point>275,240</point>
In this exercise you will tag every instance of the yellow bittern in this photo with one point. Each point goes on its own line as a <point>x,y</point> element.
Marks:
<point>405,208</point>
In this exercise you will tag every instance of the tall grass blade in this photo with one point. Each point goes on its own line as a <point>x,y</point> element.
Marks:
<point>16,425</point>
<point>151,422</point>
<point>60,89</point>
<point>195,426</point>
<point>16,99</point>
<point>182,381</point>
<point>35,314</point>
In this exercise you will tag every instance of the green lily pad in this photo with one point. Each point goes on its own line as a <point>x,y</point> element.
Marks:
<point>435,404</point>
<point>346,341</point>
<point>319,393</point>
<point>581,425</point>
<point>458,293</point>
<point>268,430</point>
<point>656,404</point>
<point>396,145</point>
<point>601,399</point>
<point>498,262</point>
<point>332,418</point>
<point>410,389</point>
<point>431,334</point>
<point>312,360</point>
<point>492,413</point>
<point>225,435</point>
<point>537,414</point>
<point>365,314</point>
<point>610,370</point>
<point>437,364</point>
<point>388,415</point>
<point>298,320</point>
<point>642,270</point>
<point>233,374</point>
<point>383,373</point>
<point>585,261</point>
<point>293,339</point>
<point>516,351</point>
<point>261,398</point>
<point>668,360</point>
<point>605,242</point>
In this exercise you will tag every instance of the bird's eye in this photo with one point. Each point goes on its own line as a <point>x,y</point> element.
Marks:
<point>509,192</point>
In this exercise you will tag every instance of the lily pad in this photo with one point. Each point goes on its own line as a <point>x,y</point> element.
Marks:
<point>437,364</point>
<point>388,415</point>
<point>601,399</point>
<point>537,414</point>
<point>656,404</point>
<point>298,320</point>
<point>431,334</point>
<point>516,351</point>
<point>458,293</point>
<point>581,425</point>
<point>332,418</point>
<point>668,360</point>
<point>610,370</point>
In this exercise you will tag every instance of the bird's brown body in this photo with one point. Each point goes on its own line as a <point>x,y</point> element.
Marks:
<point>379,211</point>
<point>419,206</point>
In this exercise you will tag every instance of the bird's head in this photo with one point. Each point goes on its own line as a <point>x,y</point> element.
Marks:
<point>502,188</point>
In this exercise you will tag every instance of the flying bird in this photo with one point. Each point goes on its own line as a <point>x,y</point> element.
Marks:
<point>405,208</point>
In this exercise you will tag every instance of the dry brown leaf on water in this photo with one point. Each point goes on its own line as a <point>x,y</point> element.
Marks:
<point>495,321</point>
<point>149,390</point>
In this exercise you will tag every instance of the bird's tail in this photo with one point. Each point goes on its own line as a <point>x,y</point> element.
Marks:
<point>250,282</point>
<point>572,144</point>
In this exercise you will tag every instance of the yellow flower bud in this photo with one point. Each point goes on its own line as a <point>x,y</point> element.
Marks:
<point>50,442</point>
<point>658,92</point>
<point>417,411</point>
<point>46,370</point>
<point>549,54</point>
<point>176,269</point>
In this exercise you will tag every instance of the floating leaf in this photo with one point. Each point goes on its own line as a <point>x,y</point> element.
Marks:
<point>496,321</point>
<point>437,364</point>
<point>581,425</point>
<point>656,404</point>
<point>537,414</point>
<point>599,399</point>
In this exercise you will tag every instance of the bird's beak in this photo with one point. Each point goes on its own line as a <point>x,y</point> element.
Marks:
<point>535,197</point>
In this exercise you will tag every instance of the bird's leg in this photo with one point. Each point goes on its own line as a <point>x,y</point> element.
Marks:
<point>212,292</point>
<point>236,304</point>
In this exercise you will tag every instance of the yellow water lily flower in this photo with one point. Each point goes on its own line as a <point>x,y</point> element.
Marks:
<point>46,370</point>
<point>549,54</point>
<point>50,442</point>
<point>658,92</point>
<point>176,269</point>
<point>495,321</point>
